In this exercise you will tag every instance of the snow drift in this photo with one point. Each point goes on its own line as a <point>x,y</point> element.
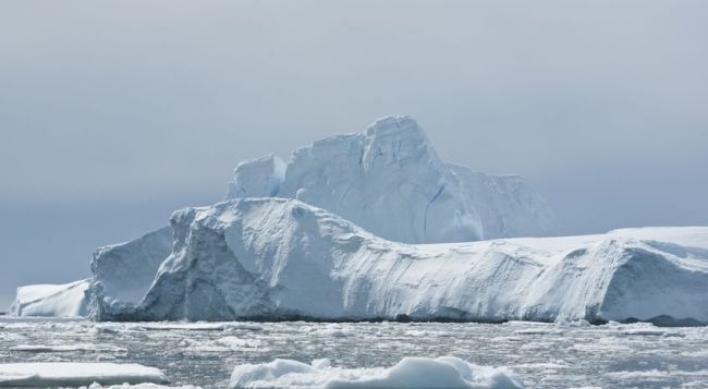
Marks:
<point>390,181</point>
<point>279,258</point>
<point>409,373</point>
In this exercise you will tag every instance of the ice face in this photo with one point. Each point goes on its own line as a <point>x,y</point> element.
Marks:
<point>122,273</point>
<point>390,181</point>
<point>126,270</point>
<point>281,258</point>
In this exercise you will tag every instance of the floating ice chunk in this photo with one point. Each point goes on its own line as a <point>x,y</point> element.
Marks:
<point>409,373</point>
<point>268,374</point>
<point>76,374</point>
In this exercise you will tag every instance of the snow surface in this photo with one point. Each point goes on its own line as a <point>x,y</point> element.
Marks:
<point>409,373</point>
<point>390,181</point>
<point>280,258</point>
<point>65,300</point>
<point>76,374</point>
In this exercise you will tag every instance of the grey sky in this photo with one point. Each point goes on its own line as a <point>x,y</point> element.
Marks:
<point>113,114</point>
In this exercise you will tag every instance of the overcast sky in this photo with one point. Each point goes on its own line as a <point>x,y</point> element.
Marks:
<point>114,114</point>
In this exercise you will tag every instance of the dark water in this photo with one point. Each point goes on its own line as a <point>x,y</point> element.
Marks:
<point>543,355</point>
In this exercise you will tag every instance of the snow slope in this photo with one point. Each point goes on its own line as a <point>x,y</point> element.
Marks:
<point>390,181</point>
<point>281,258</point>
<point>65,300</point>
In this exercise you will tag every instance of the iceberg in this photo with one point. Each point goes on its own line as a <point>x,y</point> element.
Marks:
<point>64,300</point>
<point>273,258</point>
<point>390,181</point>
<point>375,226</point>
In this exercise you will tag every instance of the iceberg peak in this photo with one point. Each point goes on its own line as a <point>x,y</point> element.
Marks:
<point>389,180</point>
<point>396,126</point>
<point>394,141</point>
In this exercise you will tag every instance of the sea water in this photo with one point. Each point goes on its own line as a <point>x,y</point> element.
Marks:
<point>543,355</point>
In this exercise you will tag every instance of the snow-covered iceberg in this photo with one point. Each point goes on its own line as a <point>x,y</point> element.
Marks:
<point>390,181</point>
<point>409,373</point>
<point>281,258</point>
<point>63,300</point>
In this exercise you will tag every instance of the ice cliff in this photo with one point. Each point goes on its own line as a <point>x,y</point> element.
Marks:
<point>390,181</point>
<point>281,258</point>
<point>122,273</point>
